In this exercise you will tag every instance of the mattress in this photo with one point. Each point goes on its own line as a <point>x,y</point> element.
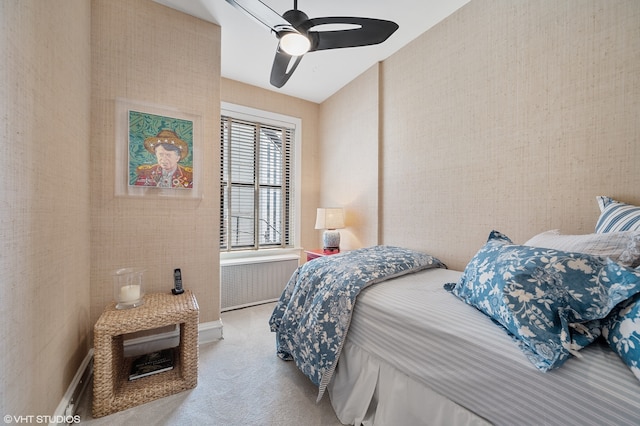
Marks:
<point>446,350</point>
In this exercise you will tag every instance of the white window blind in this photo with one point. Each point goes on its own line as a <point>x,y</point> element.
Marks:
<point>256,179</point>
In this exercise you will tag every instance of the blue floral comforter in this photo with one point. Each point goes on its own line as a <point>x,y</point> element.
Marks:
<point>313,314</point>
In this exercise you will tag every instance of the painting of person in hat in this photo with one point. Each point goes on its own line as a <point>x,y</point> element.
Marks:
<point>168,150</point>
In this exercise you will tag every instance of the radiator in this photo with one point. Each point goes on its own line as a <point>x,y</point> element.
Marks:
<point>246,282</point>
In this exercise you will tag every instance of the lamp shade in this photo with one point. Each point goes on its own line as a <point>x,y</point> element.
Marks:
<point>329,218</point>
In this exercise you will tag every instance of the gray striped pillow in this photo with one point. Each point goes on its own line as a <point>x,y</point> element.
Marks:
<point>616,216</point>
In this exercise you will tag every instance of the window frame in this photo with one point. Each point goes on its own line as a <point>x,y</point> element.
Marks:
<point>241,112</point>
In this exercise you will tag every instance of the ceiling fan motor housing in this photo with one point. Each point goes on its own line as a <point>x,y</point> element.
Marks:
<point>295,17</point>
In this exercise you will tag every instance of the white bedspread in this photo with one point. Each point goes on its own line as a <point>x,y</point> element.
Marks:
<point>456,353</point>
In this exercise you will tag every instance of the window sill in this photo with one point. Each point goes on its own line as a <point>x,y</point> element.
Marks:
<point>257,256</point>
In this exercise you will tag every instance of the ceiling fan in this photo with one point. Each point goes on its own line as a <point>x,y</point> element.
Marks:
<point>294,31</point>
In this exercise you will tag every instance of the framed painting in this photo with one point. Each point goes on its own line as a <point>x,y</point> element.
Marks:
<point>156,151</point>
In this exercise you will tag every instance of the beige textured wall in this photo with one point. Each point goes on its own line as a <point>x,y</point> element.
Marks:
<point>349,159</point>
<point>44,202</point>
<point>250,96</point>
<point>508,115</point>
<point>149,53</point>
<point>511,116</point>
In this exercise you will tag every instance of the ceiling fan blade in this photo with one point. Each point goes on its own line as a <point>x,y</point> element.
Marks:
<point>370,31</point>
<point>264,15</point>
<point>283,67</point>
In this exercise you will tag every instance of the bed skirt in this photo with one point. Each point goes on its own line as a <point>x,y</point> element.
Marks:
<point>365,390</point>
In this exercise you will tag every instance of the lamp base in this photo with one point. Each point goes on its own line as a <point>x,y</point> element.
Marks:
<point>331,240</point>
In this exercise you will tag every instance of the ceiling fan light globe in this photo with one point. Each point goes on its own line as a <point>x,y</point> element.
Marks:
<point>295,44</point>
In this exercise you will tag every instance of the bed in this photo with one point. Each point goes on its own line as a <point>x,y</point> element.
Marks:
<point>418,347</point>
<point>417,355</point>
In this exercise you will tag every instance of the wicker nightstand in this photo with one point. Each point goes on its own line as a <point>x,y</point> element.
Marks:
<point>112,391</point>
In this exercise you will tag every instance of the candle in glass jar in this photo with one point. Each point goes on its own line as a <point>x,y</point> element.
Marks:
<point>129,293</point>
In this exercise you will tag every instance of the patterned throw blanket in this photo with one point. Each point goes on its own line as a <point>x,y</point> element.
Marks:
<point>313,314</point>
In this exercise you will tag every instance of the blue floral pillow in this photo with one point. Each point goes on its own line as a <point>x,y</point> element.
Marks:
<point>622,331</point>
<point>549,300</point>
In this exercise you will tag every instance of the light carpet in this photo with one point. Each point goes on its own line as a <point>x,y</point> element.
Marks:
<point>241,381</point>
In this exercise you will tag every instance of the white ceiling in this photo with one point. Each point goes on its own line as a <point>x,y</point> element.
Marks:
<point>248,48</point>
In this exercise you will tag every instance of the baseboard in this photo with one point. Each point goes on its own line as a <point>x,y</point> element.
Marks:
<point>156,342</point>
<point>210,332</point>
<point>67,408</point>
<point>207,332</point>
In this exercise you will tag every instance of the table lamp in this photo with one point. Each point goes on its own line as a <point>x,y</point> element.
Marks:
<point>330,219</point>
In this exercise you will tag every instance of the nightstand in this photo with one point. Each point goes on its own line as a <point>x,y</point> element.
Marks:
<point>315,253</point>
<point>112,391</point>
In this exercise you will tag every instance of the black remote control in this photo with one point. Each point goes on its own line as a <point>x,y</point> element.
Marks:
<point>177,282</point>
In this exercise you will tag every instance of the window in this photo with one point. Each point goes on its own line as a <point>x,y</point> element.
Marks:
<point>256,183</point>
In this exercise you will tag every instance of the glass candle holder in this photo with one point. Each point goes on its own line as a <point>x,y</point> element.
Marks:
<point>128,289</point>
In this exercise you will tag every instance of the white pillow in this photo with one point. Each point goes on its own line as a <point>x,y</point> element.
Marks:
<point>622,247</point>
